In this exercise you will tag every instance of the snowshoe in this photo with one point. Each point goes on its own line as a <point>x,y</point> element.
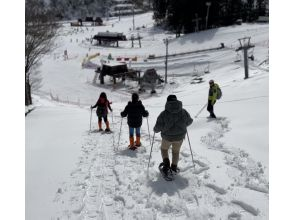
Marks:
<point>211,118</point>
<point>165,171</point>
<point>174,169</point>
<point>100,129</point>
<point>132,147</point>
<point>107,130</point>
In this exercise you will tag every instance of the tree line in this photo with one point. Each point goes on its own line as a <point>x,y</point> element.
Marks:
<point>188,15</point>
<point>73,9</point>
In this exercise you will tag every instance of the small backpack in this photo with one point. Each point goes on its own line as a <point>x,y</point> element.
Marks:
<point>219,93</point>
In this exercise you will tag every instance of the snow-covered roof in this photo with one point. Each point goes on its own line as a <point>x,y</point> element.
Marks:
<point>113,63</point>
<point>109,34</point>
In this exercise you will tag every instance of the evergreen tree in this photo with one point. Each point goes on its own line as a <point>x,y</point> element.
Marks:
<point>261,7</point>
<point>160,8</point>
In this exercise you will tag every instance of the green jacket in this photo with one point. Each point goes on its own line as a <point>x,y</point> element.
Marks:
<point>212,94</point>
<point>173,121</point>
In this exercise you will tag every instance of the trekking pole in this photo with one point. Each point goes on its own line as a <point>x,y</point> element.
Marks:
<point>90,119</point>
<point>200,110</point>
<point>119,133</point>
<point>112,132</point>
<point>150,153</point>
<point>191,151</point>
<point>148,131</point>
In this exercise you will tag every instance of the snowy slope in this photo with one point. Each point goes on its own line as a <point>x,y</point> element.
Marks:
<point>107,181</point>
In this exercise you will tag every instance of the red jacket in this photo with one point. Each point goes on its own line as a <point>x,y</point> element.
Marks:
<point>102,103</point>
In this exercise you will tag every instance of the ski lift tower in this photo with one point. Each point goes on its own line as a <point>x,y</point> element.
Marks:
<point>245,45</point>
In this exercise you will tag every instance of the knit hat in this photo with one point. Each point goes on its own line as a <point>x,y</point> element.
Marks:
<point>103,95</point>
<point>171,98</point>
<point>135,97</point>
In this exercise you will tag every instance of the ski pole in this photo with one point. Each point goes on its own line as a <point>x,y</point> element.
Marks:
<point>90,119</point>
<point>200,110</point>
<point>119,133</point>
<point>150,152</point>
<point>191,150</point>
<point>148,131</point>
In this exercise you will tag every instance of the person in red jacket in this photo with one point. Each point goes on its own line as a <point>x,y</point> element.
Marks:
<point>102,106</point>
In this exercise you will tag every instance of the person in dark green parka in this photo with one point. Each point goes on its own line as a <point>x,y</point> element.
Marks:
<point>172,123</point>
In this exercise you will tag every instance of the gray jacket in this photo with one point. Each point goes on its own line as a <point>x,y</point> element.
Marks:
<point>173,121</point>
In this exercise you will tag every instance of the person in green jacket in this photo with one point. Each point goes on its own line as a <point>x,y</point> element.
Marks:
<point>172,123</point>
<point>212,97</point>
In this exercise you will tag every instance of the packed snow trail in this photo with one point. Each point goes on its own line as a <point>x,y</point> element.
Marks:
<point>113,184</point>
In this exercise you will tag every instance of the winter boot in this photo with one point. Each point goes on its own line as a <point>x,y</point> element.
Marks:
<point>107,126</point>
<point>212,115</point>
<point>166,166</point>
<point>100,126</point>
<point>138,143</point>
<point>132,145</point>
<point>174,168</point>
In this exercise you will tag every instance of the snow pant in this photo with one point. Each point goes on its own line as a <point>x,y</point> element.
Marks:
<point>210,109</point>
<point>138,134</point>
<point>176,146</point>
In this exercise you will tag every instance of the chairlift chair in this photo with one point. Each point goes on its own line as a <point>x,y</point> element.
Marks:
<point>238,58</point>
<point>251,56</point>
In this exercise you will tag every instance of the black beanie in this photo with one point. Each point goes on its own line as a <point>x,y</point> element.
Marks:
<point>103,95</point>
<point>171,98</point>
<point>135,97</point>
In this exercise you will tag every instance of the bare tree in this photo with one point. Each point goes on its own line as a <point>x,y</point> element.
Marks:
<point>40,31</point>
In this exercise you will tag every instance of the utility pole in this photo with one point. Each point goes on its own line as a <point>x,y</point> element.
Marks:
<point>208,4</point>
<point>196,20</point>
<point>166,58</point>
<point>245,46</point>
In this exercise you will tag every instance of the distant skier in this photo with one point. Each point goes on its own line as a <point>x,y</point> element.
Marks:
<point>135,110</point>
<point>172,123</point>
<point>213,94</point>
<point>102,106</point>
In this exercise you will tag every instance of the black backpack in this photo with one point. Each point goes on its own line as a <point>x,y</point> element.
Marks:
<point>219,93</point>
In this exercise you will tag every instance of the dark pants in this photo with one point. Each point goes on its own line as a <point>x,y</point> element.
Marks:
<point>104,118</point>
<point>210,109</point>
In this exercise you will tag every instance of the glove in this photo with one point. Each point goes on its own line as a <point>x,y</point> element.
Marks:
<point>147,113</point>
<point>121,114</point>
<point>91,107</point>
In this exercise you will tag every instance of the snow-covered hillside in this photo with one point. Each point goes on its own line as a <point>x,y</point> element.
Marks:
<point>74,174</point>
